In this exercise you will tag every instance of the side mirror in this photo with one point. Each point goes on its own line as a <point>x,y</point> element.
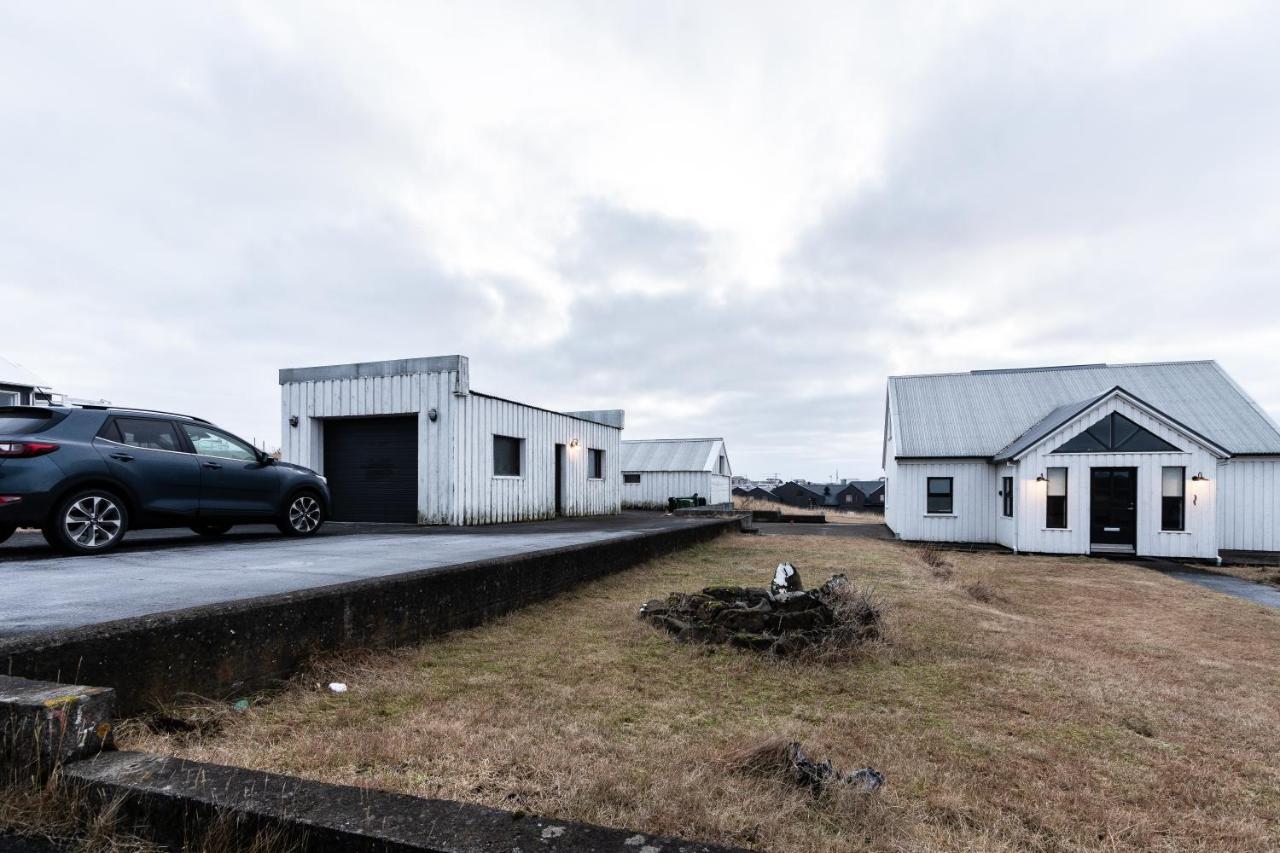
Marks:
<point>266,458</point>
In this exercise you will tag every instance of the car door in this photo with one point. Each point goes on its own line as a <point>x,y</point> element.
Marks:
<point>150,458</point>
<point>234,478</point>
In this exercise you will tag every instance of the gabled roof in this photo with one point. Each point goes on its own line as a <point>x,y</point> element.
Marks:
<point>984,412</point>
<point>867,487</point>
<point>1059,416</point>
<point>672,454</point>
<point>16,374</point>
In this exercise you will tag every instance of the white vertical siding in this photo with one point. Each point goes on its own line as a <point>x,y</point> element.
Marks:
<point>1249,504</point>
<point>1200,538</point>
<point>656,486</point>
<point>486,499</point>
<point>455,452</point>
<point>973,509</point>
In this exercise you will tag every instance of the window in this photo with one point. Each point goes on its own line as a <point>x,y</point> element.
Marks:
<point>507,453</point>
<point>9,398</point>
<point>1055,502</point>
<point>1173,499</point>
<point>1116,433</point>
<point>595,464</point>
<point>938,498</point>
<point>630,478</point>
<point>211,442</point>
<point>1006,494</point>
<point>145,433</point>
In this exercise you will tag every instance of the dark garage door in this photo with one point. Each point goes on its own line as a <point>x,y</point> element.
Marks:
<point>372,466</point>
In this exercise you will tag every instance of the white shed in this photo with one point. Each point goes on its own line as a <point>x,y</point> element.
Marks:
<point>1171,459</point>
<point>410,441</point>
<point>655,470</point>
<point>19,386</point>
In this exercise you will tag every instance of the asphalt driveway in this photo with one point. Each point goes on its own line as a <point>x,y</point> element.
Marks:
<point>167,570</point>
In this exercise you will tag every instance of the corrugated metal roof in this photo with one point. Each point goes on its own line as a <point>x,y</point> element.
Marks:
<point>16,374</point>
<point>980,413</point>
<point>671,454</point>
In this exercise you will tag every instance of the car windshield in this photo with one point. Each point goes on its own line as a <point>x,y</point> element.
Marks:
<point>209,442</point>
<point>26,422</point>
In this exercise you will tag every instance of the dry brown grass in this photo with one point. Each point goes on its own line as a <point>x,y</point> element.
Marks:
<point>1101,707</point>
<point>834,516</point>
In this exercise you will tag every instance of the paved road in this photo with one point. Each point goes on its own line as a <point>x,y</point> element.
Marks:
<point>41,591</point>
<point>1258,593</point>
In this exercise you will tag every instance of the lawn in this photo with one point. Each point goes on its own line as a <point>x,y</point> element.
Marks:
<point>1083,705</point>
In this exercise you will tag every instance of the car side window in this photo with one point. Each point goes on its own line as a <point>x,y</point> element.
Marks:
<point>210,442</point>
<point>146,433</point>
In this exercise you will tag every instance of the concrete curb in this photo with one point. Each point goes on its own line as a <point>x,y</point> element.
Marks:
<point>178,803</point>
<point>43,726</point>
<point>237,647</point>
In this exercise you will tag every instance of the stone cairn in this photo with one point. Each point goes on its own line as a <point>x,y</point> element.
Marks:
<point>782,619</point>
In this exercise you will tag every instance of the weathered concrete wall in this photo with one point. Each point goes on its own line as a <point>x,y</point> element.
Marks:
<point>43,726</point>
<point>181,803</point>
<point>233,648</point>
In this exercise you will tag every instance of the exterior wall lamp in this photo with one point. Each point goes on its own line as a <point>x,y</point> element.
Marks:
<point>1042,479</point>
<point>573,442</point>
<point>1199,478</point>
<point>293,420</point>
<point>432,415</point>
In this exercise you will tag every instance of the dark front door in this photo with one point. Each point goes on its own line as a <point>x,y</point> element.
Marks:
<point>1113,501</point>
<point>372,467</point>
<point>559,479</point>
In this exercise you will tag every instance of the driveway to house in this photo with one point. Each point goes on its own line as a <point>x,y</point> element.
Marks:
<point>43,591</point>
<point>1258,593</point>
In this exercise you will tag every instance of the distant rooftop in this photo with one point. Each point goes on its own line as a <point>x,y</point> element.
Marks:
<point>671,454</point>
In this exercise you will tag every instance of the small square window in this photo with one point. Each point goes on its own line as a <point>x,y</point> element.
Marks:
<point>630,478</point>
<point>507,453</point>
<point>939,494</point>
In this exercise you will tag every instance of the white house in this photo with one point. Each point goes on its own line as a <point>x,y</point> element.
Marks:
<point>410,441</point>
<point>19,386</point>
<point>653,471</point>
<point>1170,459</point>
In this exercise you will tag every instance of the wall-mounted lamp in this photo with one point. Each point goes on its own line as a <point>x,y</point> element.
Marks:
<point>293,420</point>
<point>1042,479</point>
<point>573,442</point>
<point>1199,478</point>
<point>432,415</point>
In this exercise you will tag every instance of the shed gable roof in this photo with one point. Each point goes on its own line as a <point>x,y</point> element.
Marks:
<point>985,412</point>
<point>672,454</point>
<point>16,374</point>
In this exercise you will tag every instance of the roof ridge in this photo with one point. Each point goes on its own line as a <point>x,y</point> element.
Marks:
<point>653,440</point>
<point>1050,367</point>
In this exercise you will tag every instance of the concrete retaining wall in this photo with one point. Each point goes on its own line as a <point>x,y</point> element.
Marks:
<point>235,648</point>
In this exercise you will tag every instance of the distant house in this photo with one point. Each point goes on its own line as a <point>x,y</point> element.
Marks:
<point>653,471</point>
<point>21,387</point>
<point>758,493</point>
<point>846,495</point>
<point>861,495</point>
<point>1171,459</point>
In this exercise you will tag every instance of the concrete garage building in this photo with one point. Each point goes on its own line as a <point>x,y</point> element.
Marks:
<point>1171,459</point>
<point>410,441</point>
<point>655,470</point>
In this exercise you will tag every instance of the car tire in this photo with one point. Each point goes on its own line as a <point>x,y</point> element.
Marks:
<point>7,530</point>
<point>210,529</point>
<point>88,522</point>
<point>303,515</point>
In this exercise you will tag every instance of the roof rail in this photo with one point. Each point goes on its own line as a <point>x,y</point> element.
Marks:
<point>102,407</point>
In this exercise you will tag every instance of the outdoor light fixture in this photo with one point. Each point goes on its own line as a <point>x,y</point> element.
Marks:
<point>293,420</point>
<point>573,442</point>
<point>432,414</point>
<point>1042,479</point>
<point>1199,478</point>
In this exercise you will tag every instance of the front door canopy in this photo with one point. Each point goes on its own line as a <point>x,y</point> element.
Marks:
<point>1117,434</point>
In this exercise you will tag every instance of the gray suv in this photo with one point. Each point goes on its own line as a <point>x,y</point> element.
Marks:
<point>85,475</point>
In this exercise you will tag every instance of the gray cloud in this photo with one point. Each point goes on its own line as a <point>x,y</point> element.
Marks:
<point>725,220</point>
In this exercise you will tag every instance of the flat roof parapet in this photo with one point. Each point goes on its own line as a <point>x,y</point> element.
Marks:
<point>366,369</point>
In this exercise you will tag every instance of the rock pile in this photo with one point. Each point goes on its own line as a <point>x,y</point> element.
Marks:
<point>783,619</point>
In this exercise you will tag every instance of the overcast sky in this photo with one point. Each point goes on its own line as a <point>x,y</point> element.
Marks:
<point>727,218</point>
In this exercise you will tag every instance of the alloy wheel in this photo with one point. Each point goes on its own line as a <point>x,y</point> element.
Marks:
<point>93,521</point>
<point>304,514</point>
